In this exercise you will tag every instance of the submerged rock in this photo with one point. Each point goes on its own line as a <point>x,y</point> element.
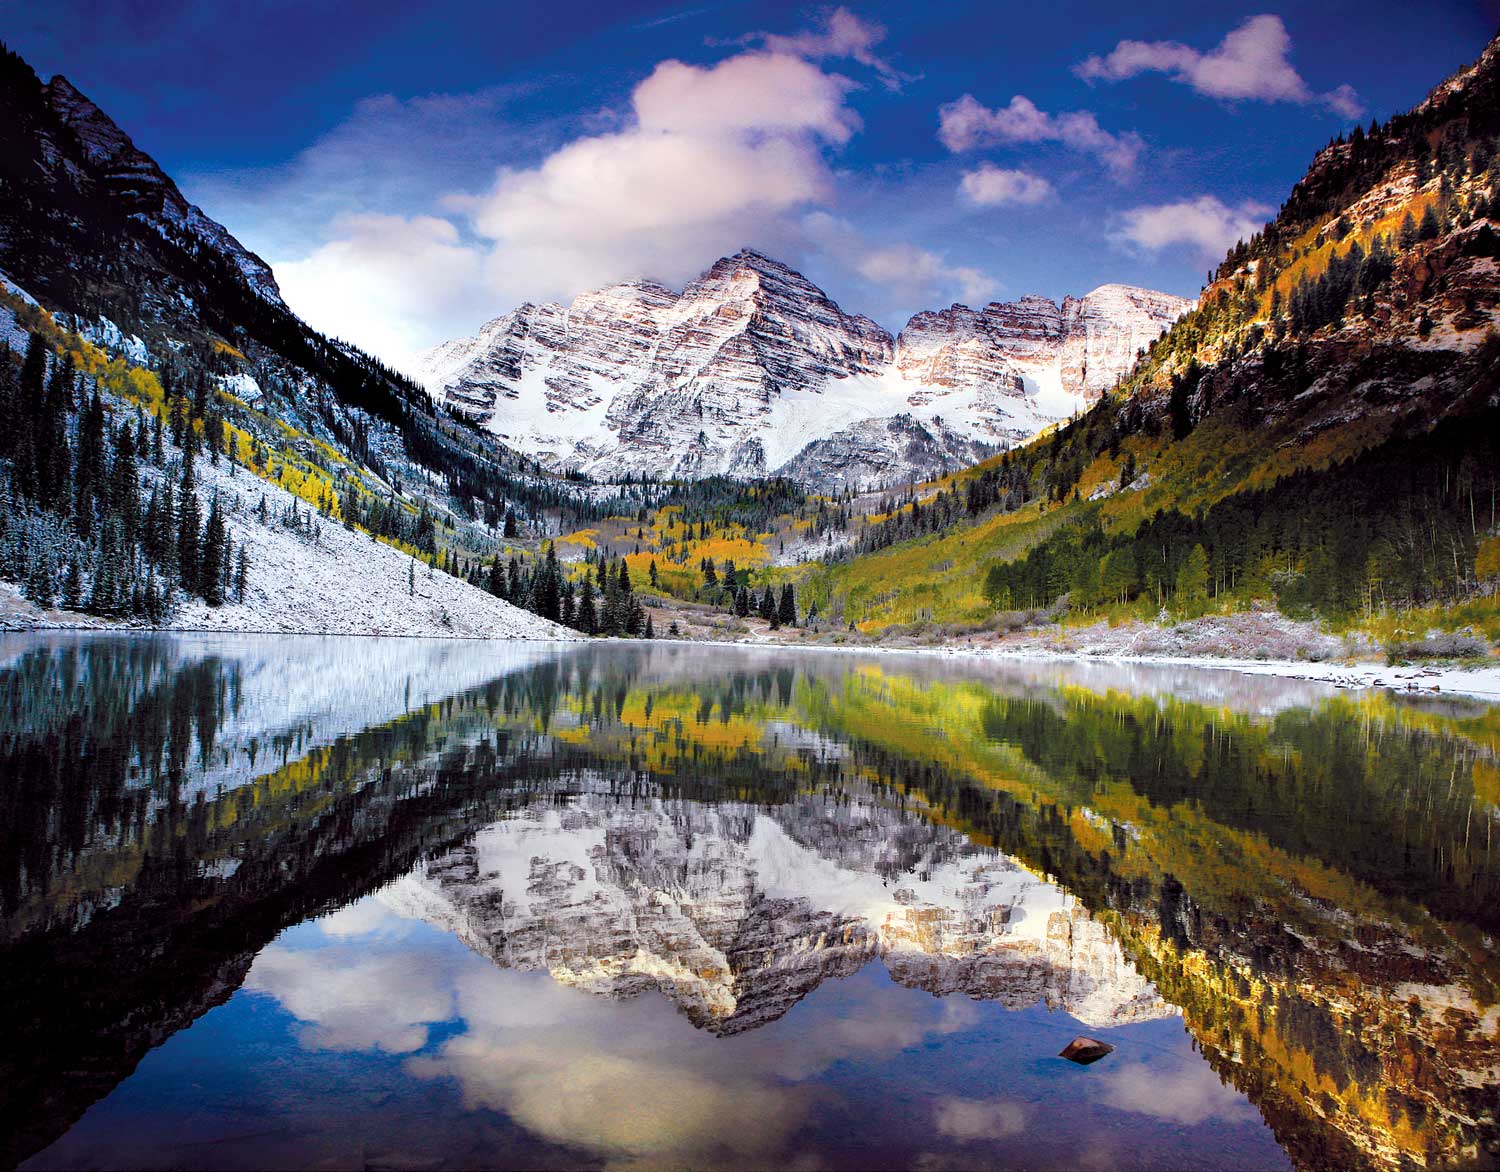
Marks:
<point>1084,1050</point>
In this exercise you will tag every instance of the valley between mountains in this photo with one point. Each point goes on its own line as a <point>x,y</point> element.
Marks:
<point>1301,463</point>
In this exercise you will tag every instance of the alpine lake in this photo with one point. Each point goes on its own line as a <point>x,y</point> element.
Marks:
<point>299,902</point>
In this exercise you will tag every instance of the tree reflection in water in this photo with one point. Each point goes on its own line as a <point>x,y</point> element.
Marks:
<point>1308,877</point>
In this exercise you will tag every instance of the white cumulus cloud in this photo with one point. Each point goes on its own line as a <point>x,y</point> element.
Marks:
<point>346,998</point>
<point>1251,63</point>
<point>992,186</point>
<point>752,93</point>
<point>1189,1095</point>
<point>707,160</point>
<point>1206,224</point>
<point>386,283</point>
<point>714,158</point>
<point>968,124</point>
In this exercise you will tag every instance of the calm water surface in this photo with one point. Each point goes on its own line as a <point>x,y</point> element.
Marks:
<point>290,902</point>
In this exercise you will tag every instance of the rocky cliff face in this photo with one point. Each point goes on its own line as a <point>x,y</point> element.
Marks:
<point>1073,351</point>
<point>737,912</point>
<point>132,177</point>
<point>752,369</point>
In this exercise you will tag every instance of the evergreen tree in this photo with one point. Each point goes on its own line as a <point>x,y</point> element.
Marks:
<point>105,597</point>
<point>163,530</point>
<point>154,605</point>
<point>189,526</point>
<point>28,419</point>
<point>214,433</point>
<point>52,455</point>
<point>786,608</point>
<point>1428,229</point>
<point>214,559</point>
<point>587,619</point>
<point>73,587</point>
<point>1406,235</point>
<point>39,582</point>
<point>125,485</point>
<point>548,591</point>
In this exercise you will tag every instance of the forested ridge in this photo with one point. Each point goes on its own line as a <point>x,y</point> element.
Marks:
<point>1317,433</point>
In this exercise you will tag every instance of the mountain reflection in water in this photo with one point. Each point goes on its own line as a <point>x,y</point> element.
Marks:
<point>440,903</point>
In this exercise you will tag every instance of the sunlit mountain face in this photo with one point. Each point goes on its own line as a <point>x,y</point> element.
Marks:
<point>418,904</point>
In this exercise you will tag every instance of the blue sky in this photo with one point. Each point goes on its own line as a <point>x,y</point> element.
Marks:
<point>411,170</point>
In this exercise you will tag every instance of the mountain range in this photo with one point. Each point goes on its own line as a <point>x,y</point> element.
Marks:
<point>752,370</point>
<point>1315,431</point>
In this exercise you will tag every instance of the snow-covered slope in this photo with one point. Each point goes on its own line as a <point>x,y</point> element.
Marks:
<point>752,363</point>
<point>330,580</point>
<point>342,582</point>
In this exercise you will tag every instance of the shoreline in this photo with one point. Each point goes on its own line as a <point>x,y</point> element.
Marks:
<point>1480,682</point>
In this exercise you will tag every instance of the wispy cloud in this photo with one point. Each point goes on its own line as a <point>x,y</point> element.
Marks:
<point>1251,63</point>
<point>843,35</point>
<point>968,124</point>
<point>902,272</point>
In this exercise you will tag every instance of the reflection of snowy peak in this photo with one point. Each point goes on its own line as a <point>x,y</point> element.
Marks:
<point>752,369</point>
<point>736,912</point>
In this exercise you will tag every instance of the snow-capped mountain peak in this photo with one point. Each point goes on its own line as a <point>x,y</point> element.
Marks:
<point>752,369</point>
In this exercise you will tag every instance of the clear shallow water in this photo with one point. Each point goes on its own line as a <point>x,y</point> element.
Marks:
<point>393,903</point>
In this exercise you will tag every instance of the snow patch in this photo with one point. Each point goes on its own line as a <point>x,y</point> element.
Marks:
<point>241,385</point>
